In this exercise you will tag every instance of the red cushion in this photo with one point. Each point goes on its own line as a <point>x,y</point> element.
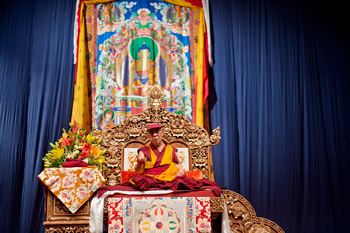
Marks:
<point>125,175</point>
<point>196,175</point>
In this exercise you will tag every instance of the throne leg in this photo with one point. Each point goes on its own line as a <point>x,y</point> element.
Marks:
<point>242,216</point>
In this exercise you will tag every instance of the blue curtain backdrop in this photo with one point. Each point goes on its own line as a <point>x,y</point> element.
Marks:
<point>281,77</point>
<point>279,91</point>
<point>36,86</point>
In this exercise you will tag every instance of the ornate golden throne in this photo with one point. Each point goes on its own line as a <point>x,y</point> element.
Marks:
<point>240,216</point>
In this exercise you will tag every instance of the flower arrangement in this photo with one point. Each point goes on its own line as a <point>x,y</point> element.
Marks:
<point>75,144</point>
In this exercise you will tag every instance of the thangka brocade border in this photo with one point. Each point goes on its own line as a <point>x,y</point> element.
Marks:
<point>91,36</point>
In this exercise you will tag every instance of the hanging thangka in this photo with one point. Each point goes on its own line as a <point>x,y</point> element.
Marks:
<point>134,45</point>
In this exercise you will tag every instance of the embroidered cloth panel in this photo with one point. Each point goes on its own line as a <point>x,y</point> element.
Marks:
<point>73,186</point>
<point>157,214</point>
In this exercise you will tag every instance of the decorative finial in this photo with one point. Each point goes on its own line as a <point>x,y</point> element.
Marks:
<point>156,96</point>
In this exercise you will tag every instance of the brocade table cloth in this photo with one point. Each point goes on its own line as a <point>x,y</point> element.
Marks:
<point>73,186</point>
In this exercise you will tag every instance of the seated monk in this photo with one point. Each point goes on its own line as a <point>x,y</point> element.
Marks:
<point>158,167</point>
<point>157,159</point>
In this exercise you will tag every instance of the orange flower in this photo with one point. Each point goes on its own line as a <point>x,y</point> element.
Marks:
<point>86,150</point>
<point>96,151</point>
<point>83,155</point>
<point>66,142</point>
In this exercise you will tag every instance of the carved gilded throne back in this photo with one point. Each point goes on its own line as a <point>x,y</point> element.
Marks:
<point>178,131</point>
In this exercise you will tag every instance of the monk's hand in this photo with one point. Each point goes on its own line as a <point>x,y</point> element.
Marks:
<point>140,162</point>
<point>141,158</point>
<point>181,171</point>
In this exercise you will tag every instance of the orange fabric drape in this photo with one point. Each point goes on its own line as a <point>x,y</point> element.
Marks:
<point>81,103</point>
